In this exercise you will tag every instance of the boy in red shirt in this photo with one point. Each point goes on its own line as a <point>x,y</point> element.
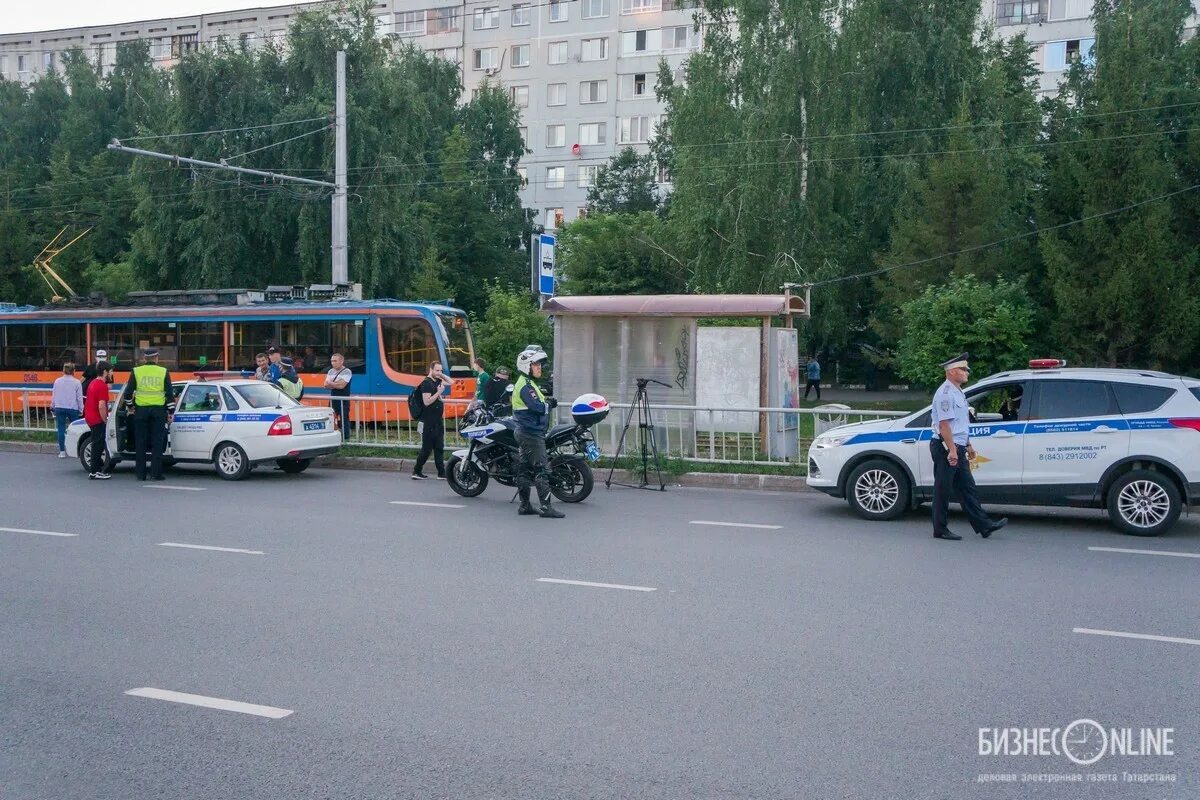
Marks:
<point>95,413</point>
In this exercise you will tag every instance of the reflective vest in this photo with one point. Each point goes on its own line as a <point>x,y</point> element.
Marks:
<point>518,402</point>
<point>151,385</point>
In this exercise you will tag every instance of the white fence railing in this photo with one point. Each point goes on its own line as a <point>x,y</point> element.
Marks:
<point>696,433</point>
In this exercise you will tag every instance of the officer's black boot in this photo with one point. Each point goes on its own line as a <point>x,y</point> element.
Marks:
<point>547,511</point>
<point>525,509</point>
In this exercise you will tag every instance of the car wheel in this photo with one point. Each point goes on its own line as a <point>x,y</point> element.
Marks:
<point>231,462</point>
<point>878,490</point>
<point>465,477</point>
<point>293,466</point>
<point>1144,502</point>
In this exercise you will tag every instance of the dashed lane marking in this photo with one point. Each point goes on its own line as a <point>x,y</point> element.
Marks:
<point>1150,637</point>
<point>210,702</point>
<point>426,505</point>
<point>1144,552</point>
<point>37,533</point>
<point>599,585</point>
<point>735,524</point>
<point>210,547</point>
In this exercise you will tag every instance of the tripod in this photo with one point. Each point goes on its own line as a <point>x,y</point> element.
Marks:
<point>646,442</point>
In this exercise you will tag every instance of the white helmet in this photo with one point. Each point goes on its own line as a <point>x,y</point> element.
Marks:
<point>528,358</point>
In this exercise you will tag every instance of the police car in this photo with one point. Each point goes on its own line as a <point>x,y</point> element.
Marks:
<point>1127,441</point>
<point>234,425</point>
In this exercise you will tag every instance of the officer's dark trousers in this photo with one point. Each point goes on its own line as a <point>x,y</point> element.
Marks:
<point>957,481</point>
<point>531,471</point>
<point>433,440</point>
<point>149,434</point>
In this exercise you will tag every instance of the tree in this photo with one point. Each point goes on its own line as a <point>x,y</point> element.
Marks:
<point>617,254</point>
<point>627,184</point>
<point>991,321</point>
<point>512,322</point>
<point>428,283</point>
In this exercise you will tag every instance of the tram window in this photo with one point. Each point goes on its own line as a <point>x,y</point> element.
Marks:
<point>117,339</point>
<point>24,347</point>
<point>347,338</point>
<point>163,336</point>
<point>66,343</point>
<point>247,339</point>
<point>409,344</point>
<point>201,340</point>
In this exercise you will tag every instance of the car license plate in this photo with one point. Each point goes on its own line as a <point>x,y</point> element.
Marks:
<point>314,426</point>
<point>592,452</point>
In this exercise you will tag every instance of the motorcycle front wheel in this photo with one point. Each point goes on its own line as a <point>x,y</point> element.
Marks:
<point>571,481</point>
<point>465,478</point>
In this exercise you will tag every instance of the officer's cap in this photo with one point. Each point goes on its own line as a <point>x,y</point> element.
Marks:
<point>150,352</point>
<point>287,362</point>
<point>958,362</point>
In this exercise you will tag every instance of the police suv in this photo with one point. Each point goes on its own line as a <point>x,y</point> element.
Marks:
<point>1123,440</point>
<point>235,425</point>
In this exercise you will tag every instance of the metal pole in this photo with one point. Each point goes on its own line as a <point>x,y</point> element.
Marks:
<point>341,271</point>
<point>120,148</point>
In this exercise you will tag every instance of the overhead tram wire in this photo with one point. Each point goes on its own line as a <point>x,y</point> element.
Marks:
<point>222,130</point>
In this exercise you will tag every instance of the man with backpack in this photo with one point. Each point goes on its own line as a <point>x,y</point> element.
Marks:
<point>426,407</point>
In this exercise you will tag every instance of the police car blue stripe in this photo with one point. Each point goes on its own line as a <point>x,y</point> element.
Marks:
<point>1019,428</point>
<point>217,416</point>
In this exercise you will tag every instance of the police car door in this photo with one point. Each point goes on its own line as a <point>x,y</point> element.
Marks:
<point>1075,431</point>
<point>199,417</point>
<point>998,413</point>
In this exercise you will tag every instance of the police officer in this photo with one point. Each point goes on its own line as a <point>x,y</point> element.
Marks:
<point>150,387</point>
<point>531,410</point>
<point>952,452</point>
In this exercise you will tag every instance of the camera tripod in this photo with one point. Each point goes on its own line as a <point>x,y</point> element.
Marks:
<point>646,442</point>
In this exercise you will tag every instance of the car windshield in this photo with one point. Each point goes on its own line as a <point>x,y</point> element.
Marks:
<point>264,395</point>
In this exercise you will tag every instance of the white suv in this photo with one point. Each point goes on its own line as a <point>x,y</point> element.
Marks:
<point>1123,440</point>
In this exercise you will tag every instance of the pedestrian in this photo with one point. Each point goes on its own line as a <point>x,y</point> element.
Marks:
<point>95,413</point>
<point>531,410</point>
<point>952,453</point>
<point>275,363</point>
<point>150,387</point>
<point>337,381</point>
<point>66,400</point>
<point>262,367</point>
<point>430,424</point>
<point>495,391</point>
<point>481,377</point>
<point>813,370</point>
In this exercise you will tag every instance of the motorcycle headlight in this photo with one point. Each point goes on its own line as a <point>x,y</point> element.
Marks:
<point>826,442</point>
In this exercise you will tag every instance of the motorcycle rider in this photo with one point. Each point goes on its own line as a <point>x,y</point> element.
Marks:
<point>531,411</point>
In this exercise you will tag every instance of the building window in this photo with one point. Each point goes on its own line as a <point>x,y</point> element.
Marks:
<point>639,42</point>
<point>595,8</point>
<point>587,175</point>
<point>639,86</point>
<point>664,175</point>
<point>410,23</point>
<point>557,53</point>
<point>593,133</point>
<point>555,218</point>
<point>486,18</point>
<point>1060,55</point>
<point>679,5</point>
<point>520,55</point>
<point>520,14</point>
<point>485,58</point>
<point>48,61</point>
<point>555,177</point>
<point>1021,12</point>
<point>22,64</point>
<point>637,130</point>
<point>593,91</point>
<point>556,136</point>
<point>450,54</point>
<point>3,65</point>
<point>581,212</point>
<point>1068,9</point>
<point>594,49</point>
<point>556,94</point>
<point>444,20</point>
<point>558,10</point>
<point>523,174</point>
<point>524,133</point>
<point>640,6</point>
<point>519,95</point>
<point>677,37</point>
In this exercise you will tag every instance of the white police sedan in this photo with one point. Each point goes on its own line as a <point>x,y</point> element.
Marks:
<point>1127,441</point>
<point>234,425</point>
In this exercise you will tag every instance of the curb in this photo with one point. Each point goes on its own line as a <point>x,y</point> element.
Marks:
<point>697,480</point>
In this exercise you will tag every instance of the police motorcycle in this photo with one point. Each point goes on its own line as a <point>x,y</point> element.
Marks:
<point>492,452</point>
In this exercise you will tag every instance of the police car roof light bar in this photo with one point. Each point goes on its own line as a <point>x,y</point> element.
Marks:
<point>1047,363</point>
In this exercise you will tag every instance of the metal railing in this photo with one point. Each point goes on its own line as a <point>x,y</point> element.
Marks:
<point>696,433</point>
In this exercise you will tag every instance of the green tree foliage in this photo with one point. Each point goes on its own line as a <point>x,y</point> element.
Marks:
<point>991,321</point>
<point>627,184</point>
<point>1126,286</point>
<point>511,322</point>
<point>617,254</point>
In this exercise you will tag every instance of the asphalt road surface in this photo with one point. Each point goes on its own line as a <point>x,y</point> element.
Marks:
<point>367,636</point>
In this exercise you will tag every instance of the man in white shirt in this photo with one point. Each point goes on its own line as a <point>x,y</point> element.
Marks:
<point>337,381</point>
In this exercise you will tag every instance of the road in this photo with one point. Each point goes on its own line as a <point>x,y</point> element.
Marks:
<point>404,650</point>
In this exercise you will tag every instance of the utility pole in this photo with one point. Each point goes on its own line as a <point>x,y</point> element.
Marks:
<point>339,268</point>
<point>340,238</point>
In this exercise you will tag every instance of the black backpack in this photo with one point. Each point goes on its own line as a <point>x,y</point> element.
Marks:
<point>415,406</point>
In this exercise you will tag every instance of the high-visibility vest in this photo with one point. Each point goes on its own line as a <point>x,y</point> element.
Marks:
<point>518,402</point>
<point>151,385</point>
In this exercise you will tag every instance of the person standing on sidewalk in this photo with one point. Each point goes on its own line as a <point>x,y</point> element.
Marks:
<point>66,400</point>
<point>430,424</point>
<point>337,381</point>
<point>813,371</point>
<point>95,413</point>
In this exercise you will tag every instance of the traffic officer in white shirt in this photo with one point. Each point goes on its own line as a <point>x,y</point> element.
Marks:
<point>952,453</point>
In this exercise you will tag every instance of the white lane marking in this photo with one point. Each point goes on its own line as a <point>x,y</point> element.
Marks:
<point>39,533</point>
<point>1147,636</point>
<point>735,524</point>
<point>600,585</point>
<point>211,702</point>
<point>175,488</point>
<point>427,505</point>
<point>210,547</point>
<point>1144,552</point>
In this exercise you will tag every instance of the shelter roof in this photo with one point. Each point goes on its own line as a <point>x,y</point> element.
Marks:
<point>677,305</point>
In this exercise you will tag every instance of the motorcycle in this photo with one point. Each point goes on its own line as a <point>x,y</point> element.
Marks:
<point>493,454</point>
